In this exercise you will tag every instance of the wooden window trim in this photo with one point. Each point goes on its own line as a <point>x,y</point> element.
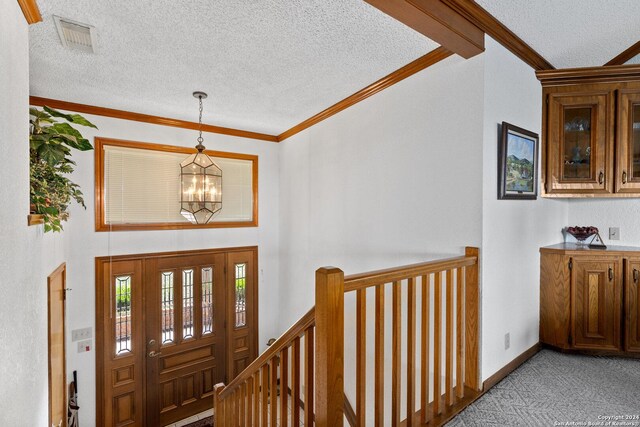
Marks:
<point>100,223</point>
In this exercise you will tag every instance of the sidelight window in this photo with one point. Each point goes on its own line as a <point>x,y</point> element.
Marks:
<point>187,303</point>
<point>241,295</point>
<point>207,300</point>
<point>166,305</point>
<point>123,314</point>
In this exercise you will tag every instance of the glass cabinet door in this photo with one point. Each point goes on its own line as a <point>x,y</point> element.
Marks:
<point>580,143</point>
<point>628,162</point>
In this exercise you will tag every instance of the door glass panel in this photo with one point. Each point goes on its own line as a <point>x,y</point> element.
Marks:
<point>187,303</point>
<point>123,314</point>
<point>241,301</point>
<point>166,305</point>
<point>577,143</point>
<point>207,300</point>
<point>635,165</point>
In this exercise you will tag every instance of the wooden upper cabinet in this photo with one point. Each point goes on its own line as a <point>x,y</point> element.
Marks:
<point>597,294</point>
<point>580,159</point>
<point>591,132</point>
<point>628,158</point>
<point>632,305</point>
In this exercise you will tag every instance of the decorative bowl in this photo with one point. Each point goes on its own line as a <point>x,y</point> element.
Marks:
<point>581,233</point>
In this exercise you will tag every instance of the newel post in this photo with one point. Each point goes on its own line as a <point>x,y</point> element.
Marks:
<point>329,347</point>
<point>472,321</point>
<point>218,406</point>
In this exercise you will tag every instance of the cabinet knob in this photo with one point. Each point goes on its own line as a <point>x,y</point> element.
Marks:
<point>610,273</point>
<point>635,275</point>
<point>601,177</point>
<point>624,177</point>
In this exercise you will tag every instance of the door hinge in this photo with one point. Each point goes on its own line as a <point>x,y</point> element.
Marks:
<point>570,263</point>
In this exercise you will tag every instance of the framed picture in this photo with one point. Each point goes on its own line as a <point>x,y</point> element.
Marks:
<point>517,163</point>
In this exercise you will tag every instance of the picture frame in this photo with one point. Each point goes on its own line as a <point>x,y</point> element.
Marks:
<point>517,163</point>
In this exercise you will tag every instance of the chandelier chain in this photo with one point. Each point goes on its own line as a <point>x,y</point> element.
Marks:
<point>200,121</point>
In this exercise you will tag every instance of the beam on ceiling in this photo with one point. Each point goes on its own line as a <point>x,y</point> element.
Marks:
<point>499,32</point>
<point>438,21</point>
<point>30,10</point>
<point>630,52</point>
<point>400,74</point>
<point>145,118</point>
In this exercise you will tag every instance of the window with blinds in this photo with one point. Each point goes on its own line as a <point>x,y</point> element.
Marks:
<point>138,187</point>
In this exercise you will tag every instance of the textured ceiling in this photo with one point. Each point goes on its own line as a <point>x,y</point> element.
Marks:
<point>266,64</point>
<point>571,33</point>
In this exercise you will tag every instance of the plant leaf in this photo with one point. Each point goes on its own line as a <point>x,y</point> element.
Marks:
<point>79,120</point>
<point>39,114</point>
<point>52,154</point>
<point>56,113</point>
<point>66,129</point>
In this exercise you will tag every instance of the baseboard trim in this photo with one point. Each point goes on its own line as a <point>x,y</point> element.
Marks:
<point>510,367</point>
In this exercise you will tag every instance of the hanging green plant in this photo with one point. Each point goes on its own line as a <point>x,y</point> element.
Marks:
<point>50,146</point>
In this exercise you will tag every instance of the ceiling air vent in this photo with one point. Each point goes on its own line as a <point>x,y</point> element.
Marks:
<point>75,35</point>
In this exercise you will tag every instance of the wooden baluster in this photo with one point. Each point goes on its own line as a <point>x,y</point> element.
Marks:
<point>437,333</point>
<point>218,405</point>
<point>232,412</point>
<point>472,377</point>
<point>424,349</point>
<point>256,399</point>
<point>309,348</point>
<point>460,333</point>
<point>249,385</point>
<point>379,357</point>
<point>273,392</point>
<point>449,344</point>
<point>396,351</point>
<point>242,393</point>
<point>330,338</point>
<point>284,387</point>
<point>361,356</point>
<point>265,395</point>
<point>411,350</point>
<point>295,383</point>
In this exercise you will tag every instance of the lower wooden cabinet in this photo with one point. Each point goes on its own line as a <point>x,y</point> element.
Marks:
<point>589,298</point>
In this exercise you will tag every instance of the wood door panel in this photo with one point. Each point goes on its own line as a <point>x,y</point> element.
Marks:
<point>596,302</point>
<point>56,284</point>
<point>632,305</point>
<point>599,166</point>
<point>628,155</point>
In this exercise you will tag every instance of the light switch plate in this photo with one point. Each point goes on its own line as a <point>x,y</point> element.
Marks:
<point>81,334</point>
<point>614,233</point>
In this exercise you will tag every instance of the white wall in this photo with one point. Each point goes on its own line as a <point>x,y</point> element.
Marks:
<point>26,255</point>
<point>512,230</point>
<point>391,180</point>
<point>602,213</point>
<point>84,244</point>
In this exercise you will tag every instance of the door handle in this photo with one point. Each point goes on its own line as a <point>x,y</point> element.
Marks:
<point>601,178</point>
<point>610,273</point>
<point>153,353</point>
<point>624,177</point>
<point>151,343</point>
<point>635,275</point>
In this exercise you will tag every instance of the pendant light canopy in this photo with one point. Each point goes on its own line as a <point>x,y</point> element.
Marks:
<point>201,182</point>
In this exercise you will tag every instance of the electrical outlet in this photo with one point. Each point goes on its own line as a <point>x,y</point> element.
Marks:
<point>84,346</point>
<point>507,340</point>
<point>81,334</point>
<point>614,233</point>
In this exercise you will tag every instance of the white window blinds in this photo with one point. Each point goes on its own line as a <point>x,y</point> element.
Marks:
<point>143,186</point>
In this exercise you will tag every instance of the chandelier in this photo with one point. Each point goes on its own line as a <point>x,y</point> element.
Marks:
<point>200,181</point>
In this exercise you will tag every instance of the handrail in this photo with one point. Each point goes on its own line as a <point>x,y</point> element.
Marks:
<point>364,280</point>
<point>285,339</point>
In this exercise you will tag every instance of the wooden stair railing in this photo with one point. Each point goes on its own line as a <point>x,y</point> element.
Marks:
<point>252,399</point>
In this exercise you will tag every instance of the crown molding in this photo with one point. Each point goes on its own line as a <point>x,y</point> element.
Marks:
<point>400,74</point>
<point>30,10</point>
<point>625,55</point>
<point>499,32</point>
<point>609,74</point>
<point>145,118</point>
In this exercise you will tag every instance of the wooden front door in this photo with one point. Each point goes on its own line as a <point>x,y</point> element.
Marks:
<point>185,333</point>
<point>596,302</point>
<point>168,332</point>
<point>57,362</point>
